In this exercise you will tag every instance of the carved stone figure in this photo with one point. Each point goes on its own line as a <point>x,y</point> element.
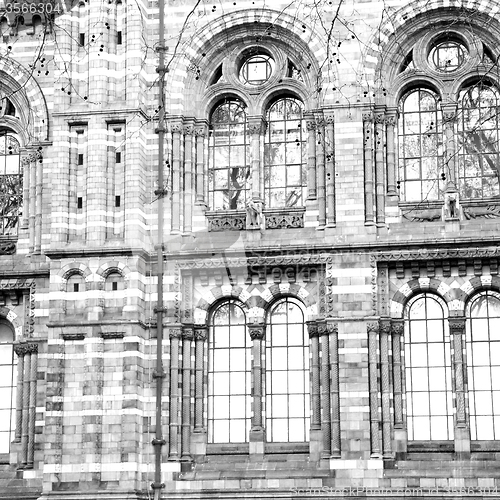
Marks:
<point>254,214</point>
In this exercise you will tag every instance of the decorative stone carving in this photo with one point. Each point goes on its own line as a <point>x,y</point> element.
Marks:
<point>284,220</point>
<point>256,332</point>
<point>226,222</point>
<point>427,214</point>
<point>200,332</point>
<point>175,333</point>
<point>480,212</point>
<point>254,214</point>
<point>312,328</point>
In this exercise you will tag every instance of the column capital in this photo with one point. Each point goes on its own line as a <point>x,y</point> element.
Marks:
<point>449,112</point>
<point>256,125</point>
<point>372,327</point>
<point>312,328</point>
<point>200,332</point>
<point>397,326</point>
<point>385,326</point>
<point>257,331</point>
<point>456,325</point>
<point>332,327</point>
<point>187,332</point>
<point>175,332</point>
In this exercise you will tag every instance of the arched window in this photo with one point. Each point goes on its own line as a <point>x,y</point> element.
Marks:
<point>428,370</point>
<point>8,362</point>
<point>11,185</point>
<point>285,154</point>
<point>229,369</point>
<point>228,157</point>
<point>287,374</point>
<point>420,146</point>
<point>483,365</point>
<point>478,133</point>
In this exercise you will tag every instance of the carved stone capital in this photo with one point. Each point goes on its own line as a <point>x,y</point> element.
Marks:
<point>398,327</point>
<point>367,116</point>
<point>372,327</point>
<point>311,124</point>
<point>32,348</point>
<point>385,327</point>
<point>187,332</point>
<point>200,130</point>
<point>457,326</point>
<point>256,125</point>
<point>312,329</point>
<point>391,120</point>
<point>380,118</point>
<point>20,349</point>
<point>175,332</point>
<point>188,129</point>
<point>332,327</point>
<point>322,328</point>
<point>200,332</point>
<point>257,332</point>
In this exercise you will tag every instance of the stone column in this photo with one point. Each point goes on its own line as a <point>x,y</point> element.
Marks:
<point>330,169</point>
<point>200,131</point>
<point>450,146</point>
<point>257,437</point>
<point>320,167</point>
<point>256,128</point>
<point>26,403</point>
<point>32,200</point>
<point>174,334</point>
<point>400,433</point>
<point>25,170</point>
<point>311,156</point>
<point>461,430</point>
<point>385,333</point>
<point>315,437</point>
<point>199,437</point>
<point>368,167</point>
<point>20,350</point>
<point>39,207</point>
<point>373,387</point>
<point>325,391</point>
<point>335,387</point>
<point>177,129</point>
<point>188,177</point>
<point>380,166</point>
<point>390,131</point>
<point>187,337</point>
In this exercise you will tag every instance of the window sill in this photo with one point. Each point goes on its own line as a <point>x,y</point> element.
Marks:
<point>228,449</point>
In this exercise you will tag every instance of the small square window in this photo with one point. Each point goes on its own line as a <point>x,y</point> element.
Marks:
<point>114,285</point>
<point>81,39</point>
<point>118,38</point>
<point>76,287</point>
<point>80,158</point>
<point>79,202</point>
<point>118,157</point>
<point>117,201</point>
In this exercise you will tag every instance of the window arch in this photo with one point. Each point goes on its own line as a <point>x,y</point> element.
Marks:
<point>482,335</point>
<point>478,134</point>
<point>8,363</point>
<point>229,375</point>
<point>285,154</point>
<point>228,156</point>
<point>427,355</point>
<point>11,184</point>
<point>287,373</point>
<point>420,146</point>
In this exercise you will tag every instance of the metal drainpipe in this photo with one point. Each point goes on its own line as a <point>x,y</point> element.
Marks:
<point>159,373</point>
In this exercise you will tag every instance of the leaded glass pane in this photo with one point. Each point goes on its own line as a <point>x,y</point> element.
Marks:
<point>229,366</point>
<point>478,140</point>
<point>420,146</point>
<point>229,157</point>
<point>483,365</point>
<point>427,369</point>
<point>285,153</point>
<point>287,367</point>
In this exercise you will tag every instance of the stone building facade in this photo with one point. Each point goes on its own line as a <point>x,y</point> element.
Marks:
<point>331,289</point>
